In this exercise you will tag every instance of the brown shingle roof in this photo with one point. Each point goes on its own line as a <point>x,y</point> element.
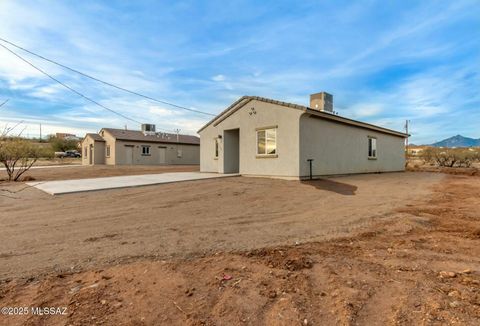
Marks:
<point>328,116</point>
<point>95,137</point>
<point>137,135</point>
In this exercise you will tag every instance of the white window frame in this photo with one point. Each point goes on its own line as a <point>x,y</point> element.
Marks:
<point>372,155</point>
<point>107,151</point>
<point>147,152</point>
<point>265,129</point>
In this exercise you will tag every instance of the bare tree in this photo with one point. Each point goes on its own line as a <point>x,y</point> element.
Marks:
<point>4,102</point>
<point>18,156</point>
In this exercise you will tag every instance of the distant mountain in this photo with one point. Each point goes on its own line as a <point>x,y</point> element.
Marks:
<point>457,141</point>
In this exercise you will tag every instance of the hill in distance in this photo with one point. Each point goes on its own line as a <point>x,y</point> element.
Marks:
<point>457,141</point>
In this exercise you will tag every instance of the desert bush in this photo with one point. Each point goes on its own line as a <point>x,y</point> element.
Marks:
<point>450,157</point>
<point>46,152</point>
<point>17,155</point>
<point>427,155</point>
<point>62,145</point>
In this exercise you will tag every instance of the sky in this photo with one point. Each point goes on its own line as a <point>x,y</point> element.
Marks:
<point>383,61</point>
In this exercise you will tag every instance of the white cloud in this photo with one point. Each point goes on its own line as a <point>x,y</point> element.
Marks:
<point>366,110</point>
<point>162,112</point>
<point>218,78</point>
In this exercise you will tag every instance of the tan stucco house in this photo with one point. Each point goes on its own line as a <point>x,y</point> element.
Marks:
<point>139,147</point>
<point>263,137</point>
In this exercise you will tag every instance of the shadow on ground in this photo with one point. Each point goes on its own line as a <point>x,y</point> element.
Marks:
<point>334,186</point>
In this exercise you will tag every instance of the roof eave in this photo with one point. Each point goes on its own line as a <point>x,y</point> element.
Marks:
<point>355,123</point>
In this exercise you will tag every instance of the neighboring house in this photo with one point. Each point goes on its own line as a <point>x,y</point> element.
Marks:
<point>135,147</point>
<point>66,136</point>
<point>264,137</point>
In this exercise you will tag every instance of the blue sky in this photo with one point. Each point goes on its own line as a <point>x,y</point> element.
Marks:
<point>384,61</point>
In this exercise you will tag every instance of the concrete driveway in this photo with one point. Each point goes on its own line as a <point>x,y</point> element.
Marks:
<point>81,185</point>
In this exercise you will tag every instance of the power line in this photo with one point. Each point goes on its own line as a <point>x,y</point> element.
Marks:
<point>72,89</point>
<point>68,87</point>
<point>106,83</point>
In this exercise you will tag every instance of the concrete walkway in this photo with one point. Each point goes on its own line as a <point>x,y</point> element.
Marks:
<point>81,185</point>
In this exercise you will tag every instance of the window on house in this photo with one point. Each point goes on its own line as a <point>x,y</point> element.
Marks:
<point>107,151</point>
<point>145,150</point>
<point>372,147</point>
<point>85,151</point>
<point>216,147</point>
<point>267,141</point>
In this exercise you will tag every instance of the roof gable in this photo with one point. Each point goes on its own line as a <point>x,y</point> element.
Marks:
<point>319,114</point>
<point>95,137</point>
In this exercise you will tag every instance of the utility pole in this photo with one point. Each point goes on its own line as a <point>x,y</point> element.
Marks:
<point>40,132</point>
<point>177,131</point>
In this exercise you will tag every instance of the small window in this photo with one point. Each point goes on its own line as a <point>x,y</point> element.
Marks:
<point>179,153</point>
<point>107,151</point>
<point>372,147</point>
<point>216,147</point>
<point>85,151</point>
<point>145,150</point>
<point>267,141</point>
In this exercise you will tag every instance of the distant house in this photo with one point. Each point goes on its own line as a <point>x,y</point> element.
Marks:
<point>66,136</point>
<point>264,137</point>
<point>139,147</point>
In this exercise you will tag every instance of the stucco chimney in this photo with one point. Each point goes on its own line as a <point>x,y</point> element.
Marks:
<point>322,101</point>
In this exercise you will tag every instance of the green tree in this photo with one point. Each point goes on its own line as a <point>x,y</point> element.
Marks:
<point>18,156</point>
<point>62,145</point>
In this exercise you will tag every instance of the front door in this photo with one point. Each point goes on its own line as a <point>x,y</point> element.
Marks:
<point>162,155</point>
<point>128,154</point>
<point>231,151</point>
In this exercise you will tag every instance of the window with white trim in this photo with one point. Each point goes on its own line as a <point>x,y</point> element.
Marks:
<point>145,150</point>
<point>267,141</point>
<point>372,147</point>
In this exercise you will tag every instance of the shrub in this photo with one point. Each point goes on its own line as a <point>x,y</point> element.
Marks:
<point>17,155</point>
<point>62,145</point>
<point>451,157</point>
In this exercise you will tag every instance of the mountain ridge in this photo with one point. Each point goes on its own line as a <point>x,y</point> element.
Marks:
<point>457,141</point>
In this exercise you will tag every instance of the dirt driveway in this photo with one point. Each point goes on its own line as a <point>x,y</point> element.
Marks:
<point>41,233</point>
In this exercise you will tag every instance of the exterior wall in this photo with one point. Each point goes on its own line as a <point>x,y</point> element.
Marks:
<point>87,141</point>
<point>109,141</point>
<point>286,163</point>
<point>98,151</point>
<point>190,153</point>
<point>342,149</point>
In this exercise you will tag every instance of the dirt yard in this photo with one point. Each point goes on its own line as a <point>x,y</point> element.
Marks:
<point>98,171</point>
<point>360,250</point>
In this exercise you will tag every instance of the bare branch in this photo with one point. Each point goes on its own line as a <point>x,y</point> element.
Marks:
<point>4,102</point>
